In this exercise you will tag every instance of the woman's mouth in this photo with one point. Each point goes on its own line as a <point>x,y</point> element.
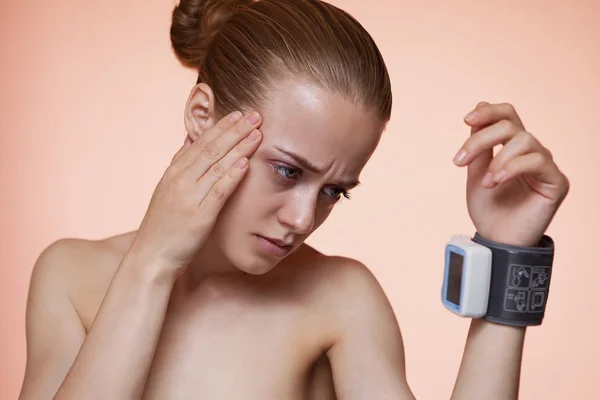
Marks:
<point>274,247</point>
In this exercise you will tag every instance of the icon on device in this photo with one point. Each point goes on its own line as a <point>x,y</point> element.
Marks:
<point>519,276</point>
<point>516,300</point>
<point>537,301</point>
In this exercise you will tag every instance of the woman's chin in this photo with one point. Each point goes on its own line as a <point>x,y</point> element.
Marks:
<point>252,259</point>
<point>246,261</point>
<point>253,265</point>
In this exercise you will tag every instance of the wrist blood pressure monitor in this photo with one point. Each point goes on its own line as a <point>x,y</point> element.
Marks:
<point>500,283</point>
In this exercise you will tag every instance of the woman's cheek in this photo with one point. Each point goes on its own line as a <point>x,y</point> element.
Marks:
<point>257,187</point>
<point>322,214</point>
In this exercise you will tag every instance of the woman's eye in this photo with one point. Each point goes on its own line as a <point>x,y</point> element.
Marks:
<point>336,193</point>
<point>286,172</point>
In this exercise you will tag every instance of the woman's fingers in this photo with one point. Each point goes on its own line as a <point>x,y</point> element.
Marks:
<point>207,166</point>
<point>478,154</point>
<point>244,149</point>
<point>522,143</point>
<point>488,114</point>
<point>217,141</point>
<point>536,164</point>
<point>234,140</point>
<point>485,140</point>
<point>213,202</point>
<point>506,129</point>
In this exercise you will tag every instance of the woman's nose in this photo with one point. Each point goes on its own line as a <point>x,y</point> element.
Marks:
<point>299,214</point>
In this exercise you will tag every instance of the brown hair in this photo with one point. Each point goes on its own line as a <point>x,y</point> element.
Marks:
<point>242,47</point>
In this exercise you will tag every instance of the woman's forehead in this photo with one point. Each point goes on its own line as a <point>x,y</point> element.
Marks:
<point>317,122</point>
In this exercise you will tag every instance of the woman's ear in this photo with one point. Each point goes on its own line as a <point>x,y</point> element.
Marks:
<point>199,114</point>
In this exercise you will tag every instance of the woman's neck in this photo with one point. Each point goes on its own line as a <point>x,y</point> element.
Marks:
<point>208,262</point>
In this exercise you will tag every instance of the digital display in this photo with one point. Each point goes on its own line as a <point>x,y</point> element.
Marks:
<point>455,271</point>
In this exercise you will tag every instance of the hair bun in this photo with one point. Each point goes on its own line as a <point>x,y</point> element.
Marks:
<point>194,25</point>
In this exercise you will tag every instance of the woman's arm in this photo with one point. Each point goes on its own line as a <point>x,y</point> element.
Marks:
<point>512,196</point>
<point>112,362</point>
<point>491,364</point>
<point>367,353</point>
<point>53,329</point>
<point>116,355</point>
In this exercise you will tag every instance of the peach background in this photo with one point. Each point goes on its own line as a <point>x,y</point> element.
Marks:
<point>91,100</point>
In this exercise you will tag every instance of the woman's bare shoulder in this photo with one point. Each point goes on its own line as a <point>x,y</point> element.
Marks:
<point>325,275</point>
<point>313,262</point>
<point>332,286</point>
<point>84,268</point>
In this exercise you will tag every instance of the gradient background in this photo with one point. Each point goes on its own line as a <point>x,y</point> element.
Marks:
<point>91,100</point>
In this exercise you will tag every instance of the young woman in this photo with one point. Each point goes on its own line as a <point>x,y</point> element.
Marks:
<point>216,296</point>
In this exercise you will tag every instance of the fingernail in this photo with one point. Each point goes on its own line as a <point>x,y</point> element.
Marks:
<point>472,116</point>
<point>253,118</point>
<point>253,135</point>
<point>241,164</point>
<point>488,179</point>
<point>235,117</point>
<point>500,176</point>
<point>460,157</point>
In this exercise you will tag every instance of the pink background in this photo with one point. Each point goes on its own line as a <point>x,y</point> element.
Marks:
<point>91,100</point>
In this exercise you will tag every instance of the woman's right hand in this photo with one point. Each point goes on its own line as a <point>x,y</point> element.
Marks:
<point>192,192</point>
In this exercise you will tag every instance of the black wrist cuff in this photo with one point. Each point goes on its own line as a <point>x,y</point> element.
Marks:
<point>520,281</point>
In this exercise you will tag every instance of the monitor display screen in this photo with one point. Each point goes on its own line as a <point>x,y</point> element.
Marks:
<point>455,271</point>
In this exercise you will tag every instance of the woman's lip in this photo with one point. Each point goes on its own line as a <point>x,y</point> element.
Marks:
<point>272,247</point>
<point>279,243</point>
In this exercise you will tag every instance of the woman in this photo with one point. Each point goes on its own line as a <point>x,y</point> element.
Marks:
<point>216,296</point>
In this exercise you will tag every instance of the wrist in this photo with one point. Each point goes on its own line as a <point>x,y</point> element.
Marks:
<point>482,325</point>
<point>147,269</point>
<point>501,283</point>
<point>512,240</point>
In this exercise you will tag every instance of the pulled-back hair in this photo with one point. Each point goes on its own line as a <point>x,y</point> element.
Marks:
<point>241,48</point>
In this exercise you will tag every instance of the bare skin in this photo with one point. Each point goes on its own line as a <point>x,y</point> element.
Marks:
<point>192,305</point>
<point>216,341</point>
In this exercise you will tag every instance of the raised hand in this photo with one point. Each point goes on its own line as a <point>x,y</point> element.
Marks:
<point>193,190</point>
<point>511,197</point>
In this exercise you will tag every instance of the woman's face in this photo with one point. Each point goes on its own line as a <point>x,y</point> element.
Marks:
<point>315,145</point>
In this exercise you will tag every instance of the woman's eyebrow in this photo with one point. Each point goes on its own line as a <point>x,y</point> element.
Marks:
<point>304,163</point>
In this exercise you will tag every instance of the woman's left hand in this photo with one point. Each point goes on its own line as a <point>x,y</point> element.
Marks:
<point>511,197</point>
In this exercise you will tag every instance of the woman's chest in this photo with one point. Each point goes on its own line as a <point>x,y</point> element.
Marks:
<point>232,350</point>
